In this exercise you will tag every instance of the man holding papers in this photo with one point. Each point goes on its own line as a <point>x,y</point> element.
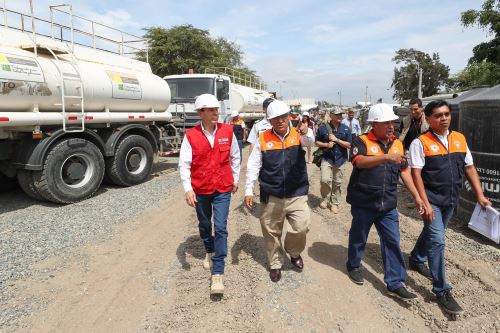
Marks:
<point>439,158</point>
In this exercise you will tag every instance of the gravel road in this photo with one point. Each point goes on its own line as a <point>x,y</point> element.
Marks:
<point>129,260</point>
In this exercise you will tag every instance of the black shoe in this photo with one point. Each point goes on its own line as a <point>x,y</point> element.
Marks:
<point>402,294</point>
<point>422,269</point>
<point>275,274</point>
<point>297,262</point>
<point>449,304</point>
<point>356,276</point>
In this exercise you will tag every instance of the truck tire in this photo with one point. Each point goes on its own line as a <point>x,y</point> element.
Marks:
<point>72,171</point>
<point>132,162</point>
<point>25,180</point>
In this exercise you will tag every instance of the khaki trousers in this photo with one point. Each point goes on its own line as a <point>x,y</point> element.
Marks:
<point>331,181</point>
<point>296,211</point>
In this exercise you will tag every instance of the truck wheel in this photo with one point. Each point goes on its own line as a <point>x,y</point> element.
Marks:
<point>72,171</point>
<point>25,180</point>
<point>132,162</point>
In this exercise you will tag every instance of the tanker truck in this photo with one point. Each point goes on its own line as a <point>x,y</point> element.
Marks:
<point>246,96</point>
<point>72,115</point>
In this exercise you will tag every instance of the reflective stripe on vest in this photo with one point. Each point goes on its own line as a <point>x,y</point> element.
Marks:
<point>375,188</point>
<point>284,171</point>
<point>443,171</point>
<point>210,167</point>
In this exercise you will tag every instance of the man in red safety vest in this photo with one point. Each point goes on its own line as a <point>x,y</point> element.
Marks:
<point>209,166</point>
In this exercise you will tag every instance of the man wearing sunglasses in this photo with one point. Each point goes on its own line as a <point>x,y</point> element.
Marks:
<point>438,160</point>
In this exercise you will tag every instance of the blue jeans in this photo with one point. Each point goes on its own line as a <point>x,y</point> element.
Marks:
<point>430,247</point>
<point>219,203</point>
<point>240,145</point>
<point>387,224</point>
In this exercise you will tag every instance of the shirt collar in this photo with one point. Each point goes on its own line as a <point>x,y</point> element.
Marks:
<point>372,137</point>
<point>442,136</point>
<point>207,132</point>
<point>282,138</point>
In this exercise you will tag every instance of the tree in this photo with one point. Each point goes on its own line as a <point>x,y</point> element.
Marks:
<point>484,65</point>
<point>177,49</point>
<point>405,79</point>
<point>487,18</point>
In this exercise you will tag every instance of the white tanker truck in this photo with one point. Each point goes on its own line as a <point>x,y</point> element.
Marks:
<point>246,98</point>
<point>71,115</point>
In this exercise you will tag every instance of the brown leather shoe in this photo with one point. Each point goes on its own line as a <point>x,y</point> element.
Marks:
<point>297,262</point>
<point>275,275</point>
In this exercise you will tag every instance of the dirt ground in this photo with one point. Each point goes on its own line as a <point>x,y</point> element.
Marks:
<point>149,277</point>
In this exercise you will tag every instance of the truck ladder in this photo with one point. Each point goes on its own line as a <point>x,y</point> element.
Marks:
<point>69,77</point>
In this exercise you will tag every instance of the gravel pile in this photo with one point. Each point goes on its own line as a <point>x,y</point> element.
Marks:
<point>31,231</point>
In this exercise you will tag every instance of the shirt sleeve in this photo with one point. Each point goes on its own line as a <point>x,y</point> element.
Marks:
<point>243,125</point>
<point>307,140</point>
<point>468,158</point>
<point>252,137</point>
<point>358,127</point>
<point>358,148</point>
<point>253,168</point>
<point>235,159</point>
<point>185,159</point>
<point>322,134</point>
<point>417,157</point>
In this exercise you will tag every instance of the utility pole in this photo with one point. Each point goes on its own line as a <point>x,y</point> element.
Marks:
<point>340,97</point>
<point>366,96</point>
<point>419,69</point>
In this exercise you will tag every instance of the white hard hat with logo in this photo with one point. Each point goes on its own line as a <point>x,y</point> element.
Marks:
<point>206,101</point>
<point>234,113</point>
<point>381,113</point>
<point>276,109</point>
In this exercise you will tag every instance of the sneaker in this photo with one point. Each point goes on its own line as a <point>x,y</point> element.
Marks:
<point>402,294</point>
<point>207,262</point>
<point>420,268</point>
<point>334,209</point>
<point>323,204</point>
<point>449,304</point>
<point>356,276</point>
<point>217,286</point>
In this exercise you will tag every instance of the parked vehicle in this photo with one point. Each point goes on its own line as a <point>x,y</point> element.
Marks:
<point>72,114</point>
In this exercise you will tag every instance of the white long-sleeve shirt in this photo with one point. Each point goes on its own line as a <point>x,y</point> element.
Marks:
<point>186,157</point>
<point>254,163</point>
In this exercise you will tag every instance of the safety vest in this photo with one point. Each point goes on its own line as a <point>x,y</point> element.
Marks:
<point>375,188</point>
<point>237,128</point>
<point>443,171</point>
<point>294,119</point>
<point>284,172</point>
<point>210,167</point>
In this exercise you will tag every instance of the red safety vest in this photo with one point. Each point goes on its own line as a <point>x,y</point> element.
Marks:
<point>211,167</point>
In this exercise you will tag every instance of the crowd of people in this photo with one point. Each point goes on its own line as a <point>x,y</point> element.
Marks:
<point>430,159</point>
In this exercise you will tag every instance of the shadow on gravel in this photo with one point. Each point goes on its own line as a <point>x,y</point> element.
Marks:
<point>313,200</point>
<point>192,246</point>
<point>161,166</point>
<point>251,245</point>
<point>17,199</point>
<point>335,256</point>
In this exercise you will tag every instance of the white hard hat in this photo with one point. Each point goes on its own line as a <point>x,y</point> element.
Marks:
<point>381,113</point>
<point>276,109</point>
<point>235,113</point>
<point>206,101</point>
<point>305,114</point>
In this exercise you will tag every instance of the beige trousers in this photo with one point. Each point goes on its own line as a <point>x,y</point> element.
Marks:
<point>331,182</point>
<point>296,211</point>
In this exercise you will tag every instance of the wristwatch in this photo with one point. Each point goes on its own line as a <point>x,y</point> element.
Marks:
<point>336,140</point>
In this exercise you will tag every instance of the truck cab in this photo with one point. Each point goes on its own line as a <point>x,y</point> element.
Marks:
<point>186,87</point>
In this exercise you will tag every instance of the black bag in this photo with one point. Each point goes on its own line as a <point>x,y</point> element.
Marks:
<point>318,153</point>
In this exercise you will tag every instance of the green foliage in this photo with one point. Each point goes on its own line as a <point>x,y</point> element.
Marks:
<point>476,74</point>
<point>405,79</point>
<point>487,18</point>
<point>179,48</point>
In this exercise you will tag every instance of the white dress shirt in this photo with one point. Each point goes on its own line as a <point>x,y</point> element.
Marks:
<point>417,157</point>
<point>259,127</point>
<point>186,157</point>
<point>255,160</point>
<point>354,123</point>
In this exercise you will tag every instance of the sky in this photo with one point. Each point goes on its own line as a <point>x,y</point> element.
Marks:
<point>323,49</point>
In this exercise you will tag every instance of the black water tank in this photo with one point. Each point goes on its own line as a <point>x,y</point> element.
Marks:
<point>480,123</point>
<point>454,104</point>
